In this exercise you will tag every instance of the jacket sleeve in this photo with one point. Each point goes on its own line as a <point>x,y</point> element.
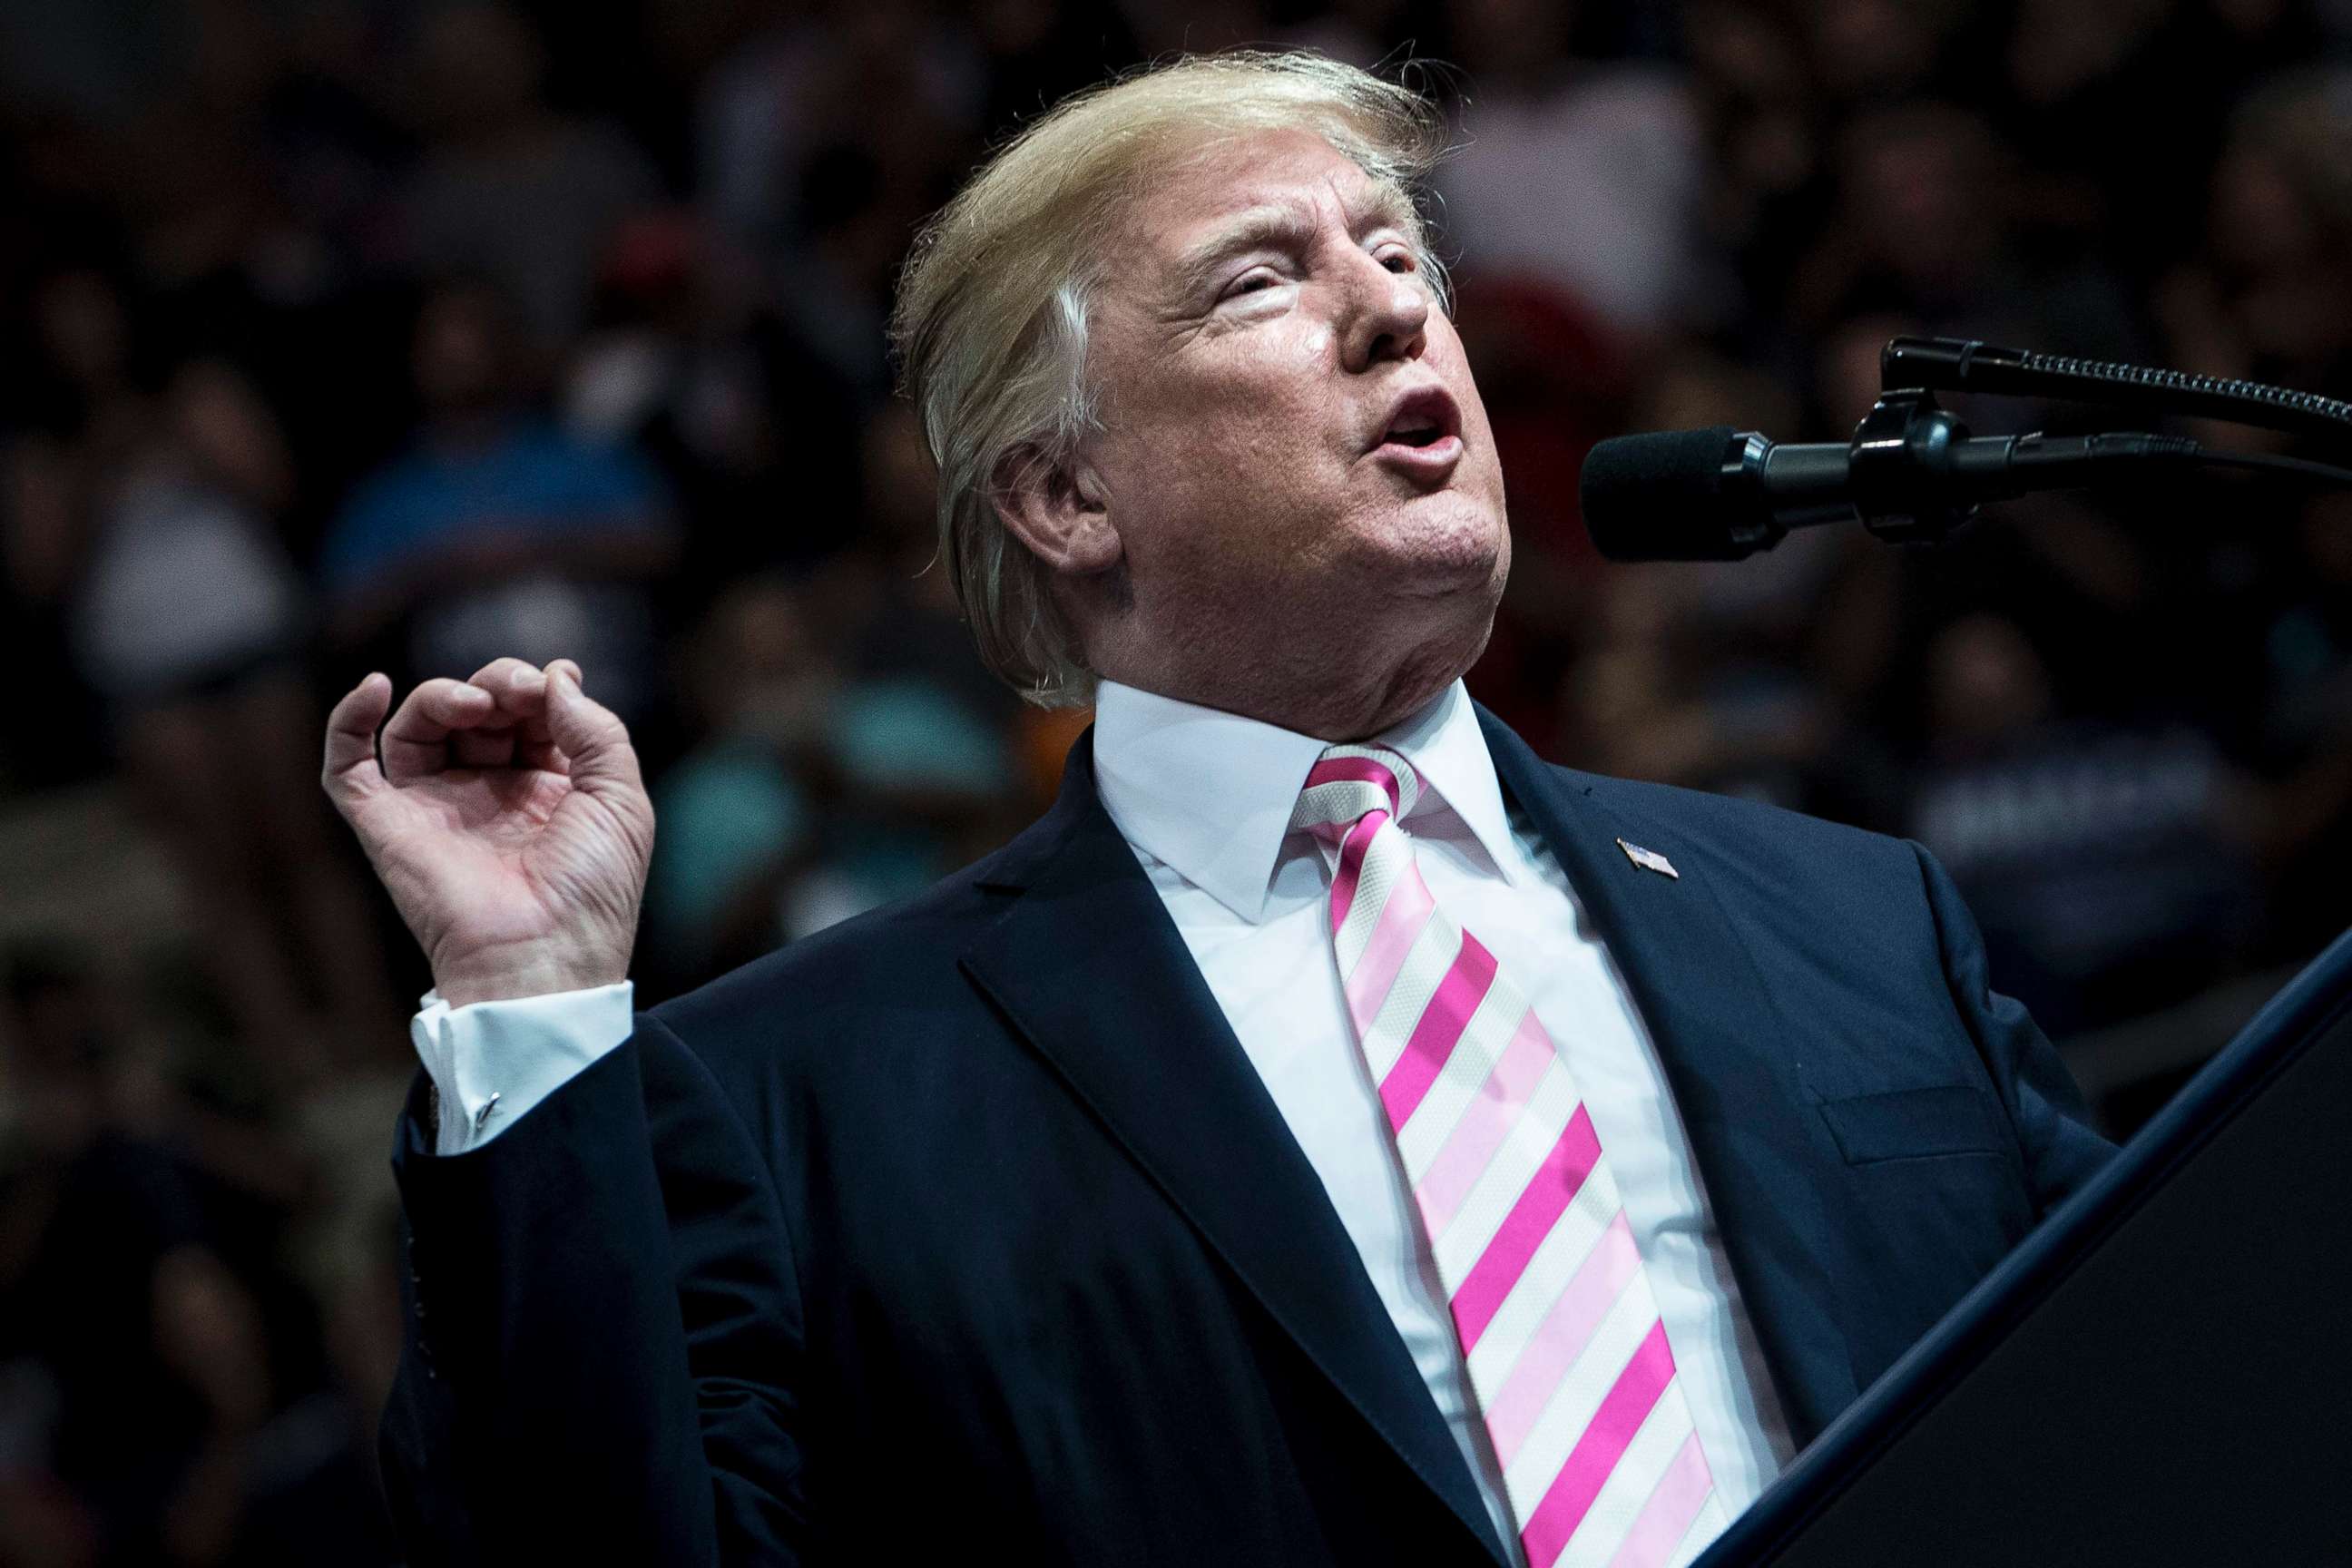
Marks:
<point>603,1331</point>
<point>2045,1108</point>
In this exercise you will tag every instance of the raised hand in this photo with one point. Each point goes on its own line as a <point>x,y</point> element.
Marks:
<point>506,819</point>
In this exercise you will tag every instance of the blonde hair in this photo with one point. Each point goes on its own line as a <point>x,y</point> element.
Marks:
<point>990,325</point>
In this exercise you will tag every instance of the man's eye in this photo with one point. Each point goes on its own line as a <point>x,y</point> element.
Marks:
<point>1251,283</point>
<point>1400,261</point>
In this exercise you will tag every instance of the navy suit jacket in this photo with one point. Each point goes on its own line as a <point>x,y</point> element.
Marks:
<point>967,1226</point>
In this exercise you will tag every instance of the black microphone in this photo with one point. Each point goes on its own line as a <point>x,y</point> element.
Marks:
<point>1723,495</point>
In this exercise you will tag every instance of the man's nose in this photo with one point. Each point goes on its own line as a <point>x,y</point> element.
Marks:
<point>1388,314</point>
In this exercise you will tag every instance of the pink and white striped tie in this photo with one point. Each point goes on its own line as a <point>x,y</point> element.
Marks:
<point>1566,1351</point>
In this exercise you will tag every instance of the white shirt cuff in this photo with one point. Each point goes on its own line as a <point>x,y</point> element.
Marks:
<point>492,1061</point>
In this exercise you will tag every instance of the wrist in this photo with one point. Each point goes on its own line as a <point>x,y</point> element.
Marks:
<point>537,976</point>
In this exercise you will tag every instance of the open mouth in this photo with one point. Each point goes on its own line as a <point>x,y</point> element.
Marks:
<point>1425,424</point>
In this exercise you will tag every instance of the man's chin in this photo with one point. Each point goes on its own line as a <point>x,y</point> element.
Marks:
<point>1441,552</point>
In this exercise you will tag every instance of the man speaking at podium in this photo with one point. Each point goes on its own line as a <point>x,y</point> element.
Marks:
<point>1331,1134</point>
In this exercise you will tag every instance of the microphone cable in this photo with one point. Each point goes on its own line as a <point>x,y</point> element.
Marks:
<point>2302,469</point>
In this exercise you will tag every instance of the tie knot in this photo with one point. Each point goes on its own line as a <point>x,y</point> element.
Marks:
<point>1348,784</point>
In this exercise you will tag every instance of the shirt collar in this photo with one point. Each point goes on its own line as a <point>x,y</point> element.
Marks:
<point>1210,792</point>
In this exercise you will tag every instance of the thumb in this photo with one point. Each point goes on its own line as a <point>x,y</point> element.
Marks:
<point>595,741</point>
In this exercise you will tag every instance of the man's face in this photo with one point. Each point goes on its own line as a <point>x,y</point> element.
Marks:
<point>1294,454</point>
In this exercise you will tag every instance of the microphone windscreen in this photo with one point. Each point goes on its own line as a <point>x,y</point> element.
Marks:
<point>1659,497</point>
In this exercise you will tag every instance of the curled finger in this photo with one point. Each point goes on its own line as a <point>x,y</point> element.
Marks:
<point>416,742</point>
<point>517,685</point>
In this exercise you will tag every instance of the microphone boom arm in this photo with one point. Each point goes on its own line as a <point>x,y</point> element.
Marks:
<point>1958,364</point>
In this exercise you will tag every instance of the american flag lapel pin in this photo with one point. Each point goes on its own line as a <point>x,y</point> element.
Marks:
<point>1649,859</point>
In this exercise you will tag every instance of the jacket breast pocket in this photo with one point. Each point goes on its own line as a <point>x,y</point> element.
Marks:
<point>1934,1197</point>
<point>1915,1124</point>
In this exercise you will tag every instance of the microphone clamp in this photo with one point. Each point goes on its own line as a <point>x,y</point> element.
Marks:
<point>1904,473</point>
<point>1911,473</point>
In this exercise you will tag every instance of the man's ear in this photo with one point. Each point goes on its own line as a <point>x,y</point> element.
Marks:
<point>1060,511</point>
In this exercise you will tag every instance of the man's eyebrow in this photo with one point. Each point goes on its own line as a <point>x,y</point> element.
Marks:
<point>1273,227</point>
<point>1255,228</point>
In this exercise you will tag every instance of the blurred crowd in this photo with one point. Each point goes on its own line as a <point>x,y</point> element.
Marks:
<point>352,335</point>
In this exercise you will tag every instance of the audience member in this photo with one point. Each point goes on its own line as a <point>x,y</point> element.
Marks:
<point>1616,143</point>
<point>513,190</point>
<point>557,541</point>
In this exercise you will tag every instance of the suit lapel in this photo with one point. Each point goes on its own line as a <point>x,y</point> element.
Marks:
<point>1725,1050</point>
<point>1090,969</point>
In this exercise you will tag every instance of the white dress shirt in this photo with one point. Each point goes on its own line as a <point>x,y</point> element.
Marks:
<point>492,1061</point>
<point>1205,799</point>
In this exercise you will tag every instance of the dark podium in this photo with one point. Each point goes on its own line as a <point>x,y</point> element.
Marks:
<point>2160,1375</point>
